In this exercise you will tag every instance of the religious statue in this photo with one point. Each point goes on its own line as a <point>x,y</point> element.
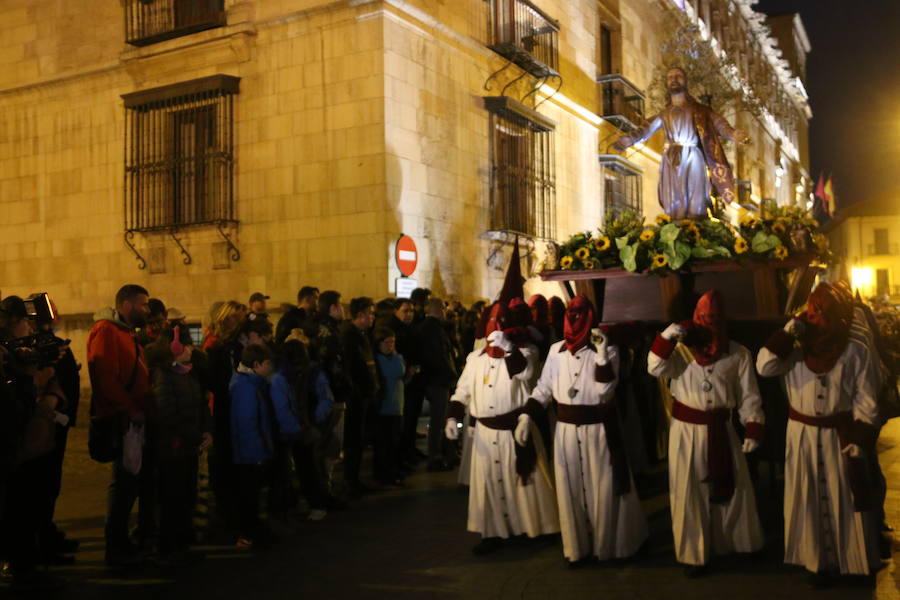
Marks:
<point>692,145</point>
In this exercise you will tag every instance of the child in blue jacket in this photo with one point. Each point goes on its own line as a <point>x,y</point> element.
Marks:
<point>251,435</point>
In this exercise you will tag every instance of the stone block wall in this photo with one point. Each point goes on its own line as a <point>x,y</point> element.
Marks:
<point>357,120</point>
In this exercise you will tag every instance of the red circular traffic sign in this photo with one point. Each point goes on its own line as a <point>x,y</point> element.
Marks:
<point>406,255</point>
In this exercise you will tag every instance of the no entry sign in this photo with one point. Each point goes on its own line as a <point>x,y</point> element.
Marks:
<point>406,254</point>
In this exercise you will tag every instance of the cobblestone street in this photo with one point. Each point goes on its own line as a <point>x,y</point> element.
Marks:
<point>413,544</point>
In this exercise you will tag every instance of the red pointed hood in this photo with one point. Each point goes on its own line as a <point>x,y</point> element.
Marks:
<point>578,323</point>
<point>709,339</point>
<point>828,316</point>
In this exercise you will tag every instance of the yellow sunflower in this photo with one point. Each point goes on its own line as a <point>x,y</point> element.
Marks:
<point>582,253</point>
<point>692,230</point>
<point>566,261</point>
<point>778,227</point>
<point>749,220</point>
<point>601,243</point>
<point>781,252</point>
<point>647,235</point>
<point>663,219</point>
<point>659,261</point>
<point>589,264</point>
<point>740,246</point>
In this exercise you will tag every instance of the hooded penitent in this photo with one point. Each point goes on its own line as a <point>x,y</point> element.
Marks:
<point>496,322</point>
<point>481,326</point>
<point>578,322</point>
<point>557,317</point>
<point>828,316</point>
<point>540,311</point>
<point>708,339</point>
<point>503,316</point>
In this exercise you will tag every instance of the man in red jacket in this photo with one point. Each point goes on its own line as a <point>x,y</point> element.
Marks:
<point>120,386</point>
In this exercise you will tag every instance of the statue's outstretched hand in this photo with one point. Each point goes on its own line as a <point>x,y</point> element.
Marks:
<point>741,136</point>
<point>623,142</point>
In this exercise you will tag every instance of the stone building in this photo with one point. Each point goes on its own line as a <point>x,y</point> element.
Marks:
<point>865,238</point>
<point>208,149</point>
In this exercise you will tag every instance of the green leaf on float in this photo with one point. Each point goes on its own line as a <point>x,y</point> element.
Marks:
<point>677,254</point>
<point>668,233</point>
<point>621,242</point>
<point>628,254</point>
<point>763,242</point>
<point>700,252</point>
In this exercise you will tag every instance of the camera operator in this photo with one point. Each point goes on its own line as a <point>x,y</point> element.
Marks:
<point>121,396</point>
<point>31,395</point>
<point>53,542</point>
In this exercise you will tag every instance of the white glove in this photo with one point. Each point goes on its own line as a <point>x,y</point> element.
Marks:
<point>852,450</point>
<point>522,430</point>
<point>601,343</point>
<point>673,332</point>
<point>451,429</point>
<point>795,327</point>
<point>499,340</point>
<point>750,445</point>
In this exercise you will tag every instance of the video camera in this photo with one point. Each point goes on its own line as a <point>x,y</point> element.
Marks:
<point>43,347</point>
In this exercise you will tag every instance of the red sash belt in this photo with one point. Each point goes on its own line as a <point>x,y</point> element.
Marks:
<point>719,463</point>
<point>607,415</point>
<point>504,422</point>
<point>526,456</point>
<point>858,470</point>
<point>842,421</point>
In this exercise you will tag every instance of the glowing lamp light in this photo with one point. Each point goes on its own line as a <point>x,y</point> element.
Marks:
<point>861,278</point>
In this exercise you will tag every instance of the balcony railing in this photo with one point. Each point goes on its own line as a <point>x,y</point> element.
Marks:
<point>525,35</point>
<point>881,249</point>
<point>151,21</point>
<point>623,102</point>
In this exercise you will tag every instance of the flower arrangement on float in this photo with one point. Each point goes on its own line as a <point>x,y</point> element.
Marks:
<point>669,245</point>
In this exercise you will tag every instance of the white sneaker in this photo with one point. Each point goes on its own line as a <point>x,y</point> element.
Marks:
<point>317,514</point>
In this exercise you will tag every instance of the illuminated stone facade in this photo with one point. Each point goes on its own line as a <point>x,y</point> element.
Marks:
<point>355,120</point>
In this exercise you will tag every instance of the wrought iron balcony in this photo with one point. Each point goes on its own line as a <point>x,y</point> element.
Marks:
<point>525,35</point>
<point>151,21</point>
<point>882,249</point>
<point>622,184</point>
<point>622,102</point>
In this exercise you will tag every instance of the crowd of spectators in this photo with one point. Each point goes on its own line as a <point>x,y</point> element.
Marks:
<point>280,415</point>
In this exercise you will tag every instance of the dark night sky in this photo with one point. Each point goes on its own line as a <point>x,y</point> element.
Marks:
<point>853,80</point>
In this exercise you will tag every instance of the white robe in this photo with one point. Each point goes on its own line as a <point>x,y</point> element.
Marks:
<point>594,520</point>
<point>701,528</point>
<point>821,529</point>
<point>499,504</point>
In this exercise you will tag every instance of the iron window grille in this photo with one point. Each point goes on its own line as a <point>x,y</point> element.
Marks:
<point>525,35</point>
<point>622,184</point>
<point>151,21</point>
<point>179,164</point>
<point>622,102</point>
<point>523,176</point>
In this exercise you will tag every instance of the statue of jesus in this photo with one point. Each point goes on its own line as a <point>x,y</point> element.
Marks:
<point>692,145</point>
